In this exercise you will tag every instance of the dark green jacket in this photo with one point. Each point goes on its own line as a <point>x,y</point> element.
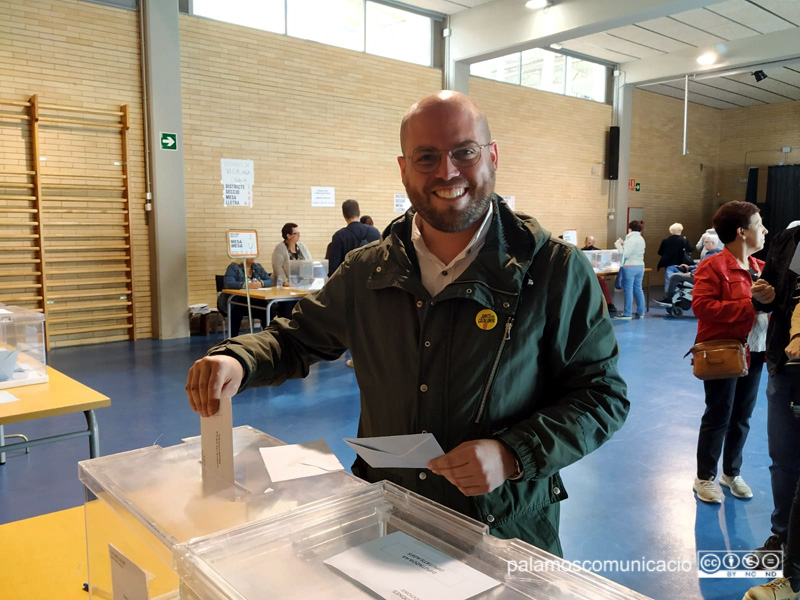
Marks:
<point>544,380</point>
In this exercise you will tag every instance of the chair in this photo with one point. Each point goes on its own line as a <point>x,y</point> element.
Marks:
<point>220,280</point>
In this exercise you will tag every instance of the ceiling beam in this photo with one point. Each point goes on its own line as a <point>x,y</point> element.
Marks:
<point>506,26</point>
<point>755,52</point>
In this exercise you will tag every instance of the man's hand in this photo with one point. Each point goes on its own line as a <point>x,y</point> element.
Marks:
<point>793,349</point>
<point>210,379</point>
<point>476,467</point>
<point>763,292</point>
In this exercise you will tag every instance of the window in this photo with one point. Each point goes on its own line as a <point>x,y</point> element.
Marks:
<point>361,25</point>
<point>503,68</point>
<point>548,71</point>
<point>398,34</point>
<point>586,79</point>
<point>260,14</point>
<point>543,70</point>
<point>335,22</point>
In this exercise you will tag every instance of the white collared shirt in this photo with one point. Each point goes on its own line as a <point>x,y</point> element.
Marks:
<point>435,274</point>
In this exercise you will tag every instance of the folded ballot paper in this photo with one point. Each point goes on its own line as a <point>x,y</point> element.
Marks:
<point>399,451</point>
<point>399,566</point>
<point>295,461</point>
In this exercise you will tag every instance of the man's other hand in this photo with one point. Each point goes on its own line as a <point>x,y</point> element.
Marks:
<point>793,349</point>
<point>210,379</point>
<point>476,467</point>
<point>763,292</point>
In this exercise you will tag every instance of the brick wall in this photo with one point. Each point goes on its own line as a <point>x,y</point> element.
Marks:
<point>673,187</point>
<point>307,115</point>
<point>78,54</point>
<point>552,150</point>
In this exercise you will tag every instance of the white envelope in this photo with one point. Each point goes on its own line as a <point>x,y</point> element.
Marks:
<point>794,266</point>
<point>295,461</point>
<point>399,451</point>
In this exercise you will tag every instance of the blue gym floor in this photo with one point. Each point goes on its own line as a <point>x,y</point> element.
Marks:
<point>630,500</point>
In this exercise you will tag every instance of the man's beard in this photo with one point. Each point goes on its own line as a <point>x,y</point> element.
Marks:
<point>452,220</point>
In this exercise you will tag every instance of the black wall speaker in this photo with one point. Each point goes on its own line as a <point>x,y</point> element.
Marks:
<point>613,153</point>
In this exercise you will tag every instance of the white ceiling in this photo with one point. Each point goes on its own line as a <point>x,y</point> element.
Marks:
<point>715,23</point>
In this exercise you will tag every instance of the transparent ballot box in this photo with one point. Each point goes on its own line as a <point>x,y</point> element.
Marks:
<point>22,352</point>
<point>145,501</point>
<point>285,557</point>
<point>308,274</point>
<point>604,260</point>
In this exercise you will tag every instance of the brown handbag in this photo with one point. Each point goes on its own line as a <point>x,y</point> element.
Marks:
<point>719,359</point>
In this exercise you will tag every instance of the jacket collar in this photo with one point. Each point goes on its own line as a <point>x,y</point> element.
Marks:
<point>511,243</point>
<point>733,264</point>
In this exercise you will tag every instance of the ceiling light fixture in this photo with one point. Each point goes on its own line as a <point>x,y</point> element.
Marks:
<point>760,76</point>
<point>535,4</point>
<point>709,58</point>
<point>556,46</point>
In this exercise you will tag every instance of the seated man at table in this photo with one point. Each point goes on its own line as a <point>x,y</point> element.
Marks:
<point>235,279</point>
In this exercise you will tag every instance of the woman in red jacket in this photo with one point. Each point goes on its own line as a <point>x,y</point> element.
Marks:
<point>722,302</point>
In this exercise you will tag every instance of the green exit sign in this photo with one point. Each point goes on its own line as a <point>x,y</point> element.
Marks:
<point>169,141</point>
<point>638,186</point>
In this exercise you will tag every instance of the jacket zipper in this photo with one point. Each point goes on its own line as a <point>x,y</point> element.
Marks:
<point>493,372</point>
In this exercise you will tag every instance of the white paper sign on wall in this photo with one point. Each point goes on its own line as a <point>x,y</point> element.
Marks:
<point>237,194</point>
<point>401,203</point>
<point>237,177</point>
<point>511,201</point>
<point>323,196</point>
<point>237,171</point>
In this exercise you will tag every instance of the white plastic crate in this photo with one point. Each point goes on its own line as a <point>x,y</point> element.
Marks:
<point>22,347</point>
<point>284,557</point>
<point>145,501</point>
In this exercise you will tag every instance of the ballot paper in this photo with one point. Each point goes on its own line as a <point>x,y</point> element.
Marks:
<point>399,566</point>
<point>7,397</point>
<point>216,442</point>
<point>400,451</point>
<point>128,580</point>
<point>294,461</point>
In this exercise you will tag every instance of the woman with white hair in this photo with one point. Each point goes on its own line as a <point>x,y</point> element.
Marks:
<point>674,251</point>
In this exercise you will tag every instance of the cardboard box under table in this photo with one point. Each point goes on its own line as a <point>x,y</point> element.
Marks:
<point>286,557</point>
<point>146,501</point>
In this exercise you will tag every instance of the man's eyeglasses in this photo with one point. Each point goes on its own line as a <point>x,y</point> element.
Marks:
<point>427,160</point>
